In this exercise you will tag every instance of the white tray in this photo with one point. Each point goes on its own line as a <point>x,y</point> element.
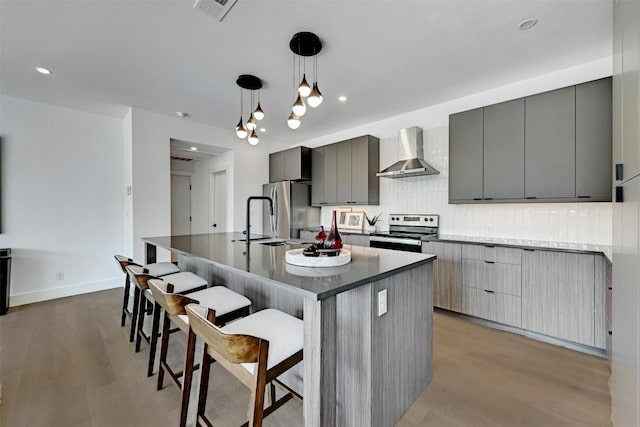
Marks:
<point>295,257</point>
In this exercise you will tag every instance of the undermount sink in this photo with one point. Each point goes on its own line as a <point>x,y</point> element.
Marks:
<point>278,243</point>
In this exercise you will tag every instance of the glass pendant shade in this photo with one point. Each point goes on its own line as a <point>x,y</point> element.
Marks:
<point>251,123</point>
<point>304,89</point>
<point>299,108</point>
<point>253,138</point>
<point>241,131</point>
<point>315,97</point>
<point>258,114</point>
<point>293,121</point>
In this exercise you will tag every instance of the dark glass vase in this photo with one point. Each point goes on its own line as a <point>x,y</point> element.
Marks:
<point>320,238</point>
<point>333,241</point>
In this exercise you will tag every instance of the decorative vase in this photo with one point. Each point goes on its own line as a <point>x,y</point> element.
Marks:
<point>368,228</point>
<point>320,238</point>
<point>333,241</point>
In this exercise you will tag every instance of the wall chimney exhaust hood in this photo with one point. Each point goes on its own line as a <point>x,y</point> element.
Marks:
<point>411,152</point>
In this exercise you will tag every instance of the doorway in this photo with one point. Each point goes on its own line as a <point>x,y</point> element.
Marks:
<point>218,201</point>
<point>180,205</point>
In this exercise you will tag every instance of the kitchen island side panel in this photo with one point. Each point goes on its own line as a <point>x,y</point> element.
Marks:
<point>384,362</point>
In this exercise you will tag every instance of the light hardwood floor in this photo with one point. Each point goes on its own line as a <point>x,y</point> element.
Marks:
<point>68,363</point>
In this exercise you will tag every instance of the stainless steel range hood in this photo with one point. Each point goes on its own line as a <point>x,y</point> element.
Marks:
<point>411,153</point>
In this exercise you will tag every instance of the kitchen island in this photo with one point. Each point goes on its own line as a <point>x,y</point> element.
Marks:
<point>360,368</point>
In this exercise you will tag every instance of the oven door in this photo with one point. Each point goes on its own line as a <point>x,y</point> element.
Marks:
<point>397,243</point>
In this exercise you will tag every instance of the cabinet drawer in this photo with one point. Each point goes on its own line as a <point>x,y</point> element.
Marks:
<point>492,276</point>
<point>492,253</point>
<point>495,306</point>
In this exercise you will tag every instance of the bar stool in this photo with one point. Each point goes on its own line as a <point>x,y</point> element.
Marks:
<point>228,303</point>
<point>183,282</point>
<point>157,269</point>
<point>255,349</point>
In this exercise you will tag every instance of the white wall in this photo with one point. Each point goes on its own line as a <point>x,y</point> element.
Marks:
<point>62,204</point>
<point>151,178</point>
<point>588,223</point>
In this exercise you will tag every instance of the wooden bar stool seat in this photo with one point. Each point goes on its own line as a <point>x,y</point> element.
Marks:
<point>157,269</point>
<point>184,281</point>
<point>231,305</point>
<point>255,349</point>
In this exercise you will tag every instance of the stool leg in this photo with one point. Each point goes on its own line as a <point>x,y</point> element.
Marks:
<point>188,374</point>
<point>142,308</point>
<point>154,338</point>
<point>205,367</point>
<point>164,345</point>
<point>134,315</point>
<point>125,302</point>
<point>257,394</point>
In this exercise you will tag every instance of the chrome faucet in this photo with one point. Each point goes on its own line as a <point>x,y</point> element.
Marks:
<point>248,204</point>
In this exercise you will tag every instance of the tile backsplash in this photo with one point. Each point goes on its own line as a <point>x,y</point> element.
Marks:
<point>588,223</point>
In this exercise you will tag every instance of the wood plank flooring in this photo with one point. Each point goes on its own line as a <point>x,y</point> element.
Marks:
<point>68,363</point>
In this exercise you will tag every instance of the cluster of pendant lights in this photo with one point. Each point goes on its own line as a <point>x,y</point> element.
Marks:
<point>252,83</point>
<point>303,45</point>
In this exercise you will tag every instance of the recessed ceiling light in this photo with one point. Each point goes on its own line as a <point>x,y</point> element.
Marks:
<point>182,115</point>
<point>43,70</point>
<point>194,148</point>
<point>263,130</point>
<point>527,24</point>
<point>342,98</point>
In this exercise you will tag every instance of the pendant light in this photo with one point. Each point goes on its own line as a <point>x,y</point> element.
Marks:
<point>241,131</point>
<point>293,121</point>
<point>253,138</point>
<point>303,45</point>
<point>315,97</point>
<point>252,83</point>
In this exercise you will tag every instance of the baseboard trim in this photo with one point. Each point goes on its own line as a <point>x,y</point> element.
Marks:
<point>64,291</point>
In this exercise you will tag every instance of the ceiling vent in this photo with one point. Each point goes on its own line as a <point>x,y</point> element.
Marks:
<point>216,8</point>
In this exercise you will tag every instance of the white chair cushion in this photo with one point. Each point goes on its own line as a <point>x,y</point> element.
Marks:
<point>162,268</point>
<point>222,300</point>
<point>285,334</point>
<point>184,281</point>
<point>148,295</point>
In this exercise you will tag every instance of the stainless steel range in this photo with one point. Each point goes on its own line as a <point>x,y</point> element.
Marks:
<point>406,232</point>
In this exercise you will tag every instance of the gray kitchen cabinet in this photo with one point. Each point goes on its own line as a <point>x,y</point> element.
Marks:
<point>308,236</point>
<point>330,174</point>
<point>494,306</point>
<point>346,172</point>
<point>355,239</point>
<point>558,295</point>
<point>447,288</point>
<point>465,155</point>
<point>503,169</point>
<point>293,164</point>
<point>550,141</point>
<point>492,283</point>
<point>593,140</point>
<point>317,176</point>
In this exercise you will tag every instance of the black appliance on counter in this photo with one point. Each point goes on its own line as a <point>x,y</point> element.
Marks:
<point>406,232</point>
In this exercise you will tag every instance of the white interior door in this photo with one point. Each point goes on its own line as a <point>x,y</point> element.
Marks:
<point>180,205</point>
<point>218,202</point>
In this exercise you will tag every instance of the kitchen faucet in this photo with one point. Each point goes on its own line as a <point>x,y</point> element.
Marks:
<point>248,204</point>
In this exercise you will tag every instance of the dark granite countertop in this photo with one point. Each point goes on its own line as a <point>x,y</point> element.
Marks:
<point>528,244</point>
<point>268,262</point>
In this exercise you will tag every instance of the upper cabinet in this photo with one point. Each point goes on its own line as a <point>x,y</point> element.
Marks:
<point>345,172</point>
<point>554,146</point>
<point>290,165</point>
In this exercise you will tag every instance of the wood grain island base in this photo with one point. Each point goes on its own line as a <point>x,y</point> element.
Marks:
<point>359,368</point>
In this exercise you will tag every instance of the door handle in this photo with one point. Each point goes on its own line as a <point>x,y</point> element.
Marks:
<point>214,225</point>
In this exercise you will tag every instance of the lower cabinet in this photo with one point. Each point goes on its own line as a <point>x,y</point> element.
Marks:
<point>447,288</point>
<point>492,283</point>
<point>559,295</point>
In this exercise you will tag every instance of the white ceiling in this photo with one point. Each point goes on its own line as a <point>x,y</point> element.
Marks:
<point>387,57</point>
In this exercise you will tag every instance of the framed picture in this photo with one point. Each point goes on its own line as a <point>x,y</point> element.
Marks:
<point>341,214</point>
<point>351,221</point>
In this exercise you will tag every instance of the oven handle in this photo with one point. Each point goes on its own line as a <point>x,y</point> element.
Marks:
<point>401,241</point>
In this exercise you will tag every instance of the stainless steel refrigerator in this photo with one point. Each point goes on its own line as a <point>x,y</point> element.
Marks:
<point>292,210</point>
